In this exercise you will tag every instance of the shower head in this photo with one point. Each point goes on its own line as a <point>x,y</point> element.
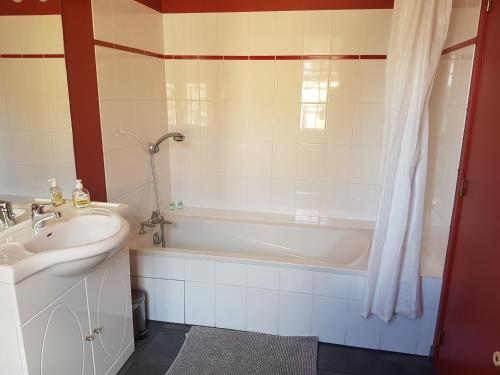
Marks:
<point>155,147</point>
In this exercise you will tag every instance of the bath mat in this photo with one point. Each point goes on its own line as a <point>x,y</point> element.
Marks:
<point>214,351</point>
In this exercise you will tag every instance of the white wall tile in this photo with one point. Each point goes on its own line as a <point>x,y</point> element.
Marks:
<point>230,273</point>
<point>331,284</point>
<point>169,268</point>
<point>431,292</point>
<point>288,81</point>
<point>200,303</point>
<point>362,332</point>
<point>141,265</point>
<point>169,300</point>
<point>235,29</point>
<point>262,28</point>
<point>375,31</point>
<point>290,33</point>
<point>230,307</point>
<point>329,319</point>
<point>426,332</point>
<point>356,287</point>
<point>263,277</point>
<point>296,280</point>
<point>346,35</point>
<point>295,314</point>
<point>400,334</point>
<point>262,310</point>
<point>317,32</point>
<point>200,270</point>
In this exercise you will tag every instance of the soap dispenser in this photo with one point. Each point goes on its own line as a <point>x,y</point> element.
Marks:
<point>56,195</point>
<point>81,196</point>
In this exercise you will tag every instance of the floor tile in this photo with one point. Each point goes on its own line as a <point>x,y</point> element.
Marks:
<point>346,359</point>
<point>164,348</point>
<point>386,367</point>
<point>143,369</point>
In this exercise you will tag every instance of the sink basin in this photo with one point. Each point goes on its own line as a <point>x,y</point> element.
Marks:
<point>75,232</point>
<point>67,247</point>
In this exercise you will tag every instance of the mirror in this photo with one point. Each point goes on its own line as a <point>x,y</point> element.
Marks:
<point>36,141</point>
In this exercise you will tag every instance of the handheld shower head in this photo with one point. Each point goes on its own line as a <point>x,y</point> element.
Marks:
<point>155,147</point>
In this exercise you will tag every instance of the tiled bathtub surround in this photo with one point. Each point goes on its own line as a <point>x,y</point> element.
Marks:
<point>132,97</point>
<point>275,298</point>
<point>289,136</point>
<point>35,126</point>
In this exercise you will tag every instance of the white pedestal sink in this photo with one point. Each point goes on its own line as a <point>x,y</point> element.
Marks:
<point>73,245</point>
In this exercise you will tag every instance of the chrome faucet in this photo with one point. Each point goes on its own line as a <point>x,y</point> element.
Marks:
<point>156,219</point>
<point>39,217</point>
<point>7,217</point>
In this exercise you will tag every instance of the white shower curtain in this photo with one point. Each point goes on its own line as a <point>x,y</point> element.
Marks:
<point>417,37</point>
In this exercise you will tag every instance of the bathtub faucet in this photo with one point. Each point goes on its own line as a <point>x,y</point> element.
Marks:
<point>156,219</point>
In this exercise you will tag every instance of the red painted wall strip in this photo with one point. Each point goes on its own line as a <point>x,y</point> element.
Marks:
<point>83,95</point>
<point>120,47</point>
<point>458,46</point>
<point>204,6</point>
<point>29,8</point>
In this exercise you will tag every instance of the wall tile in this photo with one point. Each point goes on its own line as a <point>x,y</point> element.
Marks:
<point>235,29</point>
<point>362,332</point>
<point>400,334</point>
<point>317,32</point>
<point>290,33</point>
<point>375,31</point>
<point>295,280</point>
<point>288,81</point>
<point>329,319</point>
<point>259,194</point>
<point>261,122</point>
<point>331,285</point>
<point>343,77</point>
<point>262,277</point>
<point>230,307</point>
<point>200,303</point>
<point>262,28</point>
<point>346,35</point>
<point>371,81</point>
<point>169,300</point>
<point>262,76</point>
<point>295,314</point>
<point>210,34</point>
<point>262,311</point>
<point>199,270</point>
<point>230,273</point>
<point>309,161</point>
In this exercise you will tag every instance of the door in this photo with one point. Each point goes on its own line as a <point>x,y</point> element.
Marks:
<point>110,309</point>
<point>55,339</point>
<point>470,312</point>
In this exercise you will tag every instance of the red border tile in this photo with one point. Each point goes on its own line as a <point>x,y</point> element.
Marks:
<point>32,56</point>
<point>458,46</point>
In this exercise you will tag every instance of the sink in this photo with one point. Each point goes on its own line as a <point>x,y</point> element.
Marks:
<point>77,231</point>
<point>67,247</point>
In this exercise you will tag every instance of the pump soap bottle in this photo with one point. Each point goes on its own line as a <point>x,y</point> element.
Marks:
<point>81,196</point>
<point>56,195</point>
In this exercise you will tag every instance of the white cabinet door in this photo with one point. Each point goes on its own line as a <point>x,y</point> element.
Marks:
<point>54,340</point>
<point>110,309</point>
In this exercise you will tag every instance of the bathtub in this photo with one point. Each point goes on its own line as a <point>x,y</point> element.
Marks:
<point>272,274</point>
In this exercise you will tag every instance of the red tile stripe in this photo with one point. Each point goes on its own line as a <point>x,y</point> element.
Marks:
<point>461,45</point>
<point>237,57</point>
<point>32,56</point>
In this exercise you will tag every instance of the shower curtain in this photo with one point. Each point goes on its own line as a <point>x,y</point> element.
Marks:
<point>417,37</point>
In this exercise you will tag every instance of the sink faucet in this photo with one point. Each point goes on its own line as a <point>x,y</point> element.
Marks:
<point>39,217</point>
<point>155,219</point>
<point>7,217</point>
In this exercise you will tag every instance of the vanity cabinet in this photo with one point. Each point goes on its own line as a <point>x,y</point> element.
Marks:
<point>87,330</point>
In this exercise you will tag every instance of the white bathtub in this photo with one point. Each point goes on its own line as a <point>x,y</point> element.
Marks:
<point>324,246</point>
<point>272,276</point>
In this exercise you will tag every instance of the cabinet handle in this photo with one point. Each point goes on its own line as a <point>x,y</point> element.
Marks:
<point>89,338</point>
<point>97,331</point>
<point>496,359</point>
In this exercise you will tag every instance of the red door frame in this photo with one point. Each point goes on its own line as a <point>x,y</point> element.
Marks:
<point>462,172</point>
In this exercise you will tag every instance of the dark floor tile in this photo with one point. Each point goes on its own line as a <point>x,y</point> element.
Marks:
<point>387,367</point>
<point>347,359</point>
<point>163,349</point>
<point>328,372</point>
<point>144,369</point>
<point>416,359</point>
<point>141,344</point>
<point>177,327</point>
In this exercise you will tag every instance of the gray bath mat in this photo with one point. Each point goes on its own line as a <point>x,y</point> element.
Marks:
<point>213,351</point>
